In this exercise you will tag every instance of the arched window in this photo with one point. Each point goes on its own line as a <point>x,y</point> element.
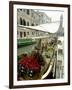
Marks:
<point>24,22</point>
<point>20,21</point>
<point>32,24</point>
<point>24,34</point>
<point>28,11</point>
<point>27,23</point>
<point>20,34</point>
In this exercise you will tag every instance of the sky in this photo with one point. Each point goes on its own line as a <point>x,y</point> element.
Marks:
<point>55,15</point>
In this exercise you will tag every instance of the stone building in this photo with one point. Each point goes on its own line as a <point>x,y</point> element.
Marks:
<point>30,17</point>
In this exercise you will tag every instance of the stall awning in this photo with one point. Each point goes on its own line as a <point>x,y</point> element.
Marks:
<point>48,27</point>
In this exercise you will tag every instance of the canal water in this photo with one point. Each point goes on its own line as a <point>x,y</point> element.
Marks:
<point>25,49</point>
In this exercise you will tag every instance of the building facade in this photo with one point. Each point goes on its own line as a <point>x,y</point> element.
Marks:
<point>30,17</point>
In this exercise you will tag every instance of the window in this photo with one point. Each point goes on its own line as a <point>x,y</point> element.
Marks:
<point>32,33</point>
<point>17,32</point>
<point>21,34</point>
<point>24,34</point>
<point>27,33</point>
<point>20,9</point>
<point>28,11</point>
<point>24,10</point>
<point>27,23</point>
<point>32,24</point>
<point>32,14</point>
<point>20,21</point>
<point>60,51</point>
<point>24,22</point>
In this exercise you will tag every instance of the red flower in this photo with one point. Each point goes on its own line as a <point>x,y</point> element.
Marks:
<point>30,63</point>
